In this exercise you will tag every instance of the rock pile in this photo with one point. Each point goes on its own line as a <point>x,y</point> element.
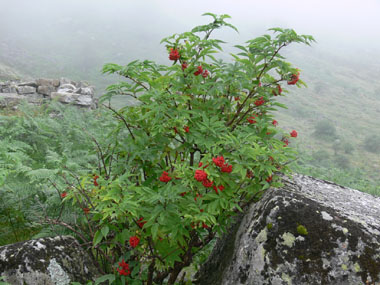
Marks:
<point>40,90</point>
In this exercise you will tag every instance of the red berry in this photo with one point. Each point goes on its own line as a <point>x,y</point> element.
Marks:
<point>293,134</point>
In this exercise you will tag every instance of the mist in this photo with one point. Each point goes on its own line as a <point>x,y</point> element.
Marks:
<point>75,38</point>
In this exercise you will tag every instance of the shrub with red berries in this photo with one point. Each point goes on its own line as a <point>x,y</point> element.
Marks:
<point>194,150</point>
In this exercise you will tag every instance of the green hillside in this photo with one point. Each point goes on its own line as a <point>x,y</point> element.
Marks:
<point>343,96</point>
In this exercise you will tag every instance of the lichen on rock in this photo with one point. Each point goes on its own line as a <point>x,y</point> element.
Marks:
<point>59,260</point>
<point>338,243</point>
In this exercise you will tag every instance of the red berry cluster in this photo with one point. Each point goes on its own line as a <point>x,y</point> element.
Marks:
<point>124,270</point>
<point>205,73</point>
<point>294,78</point>
<point>141,222</point>
<point>220,188</point>
<point>165,177</point>
<point>224,167</point>
<point>218,161</point>
<point>260,101</point>
<point>199,71</point>
<point>63,195</point>
<point>134,241</point>
<point>200,175</point>
<point>278,91</point>
<point>207,183</point>
<point>274,123</point>
<point>294,134</point>
<point>174,54</point>
<point>94,179</point>
<point>252,118</point>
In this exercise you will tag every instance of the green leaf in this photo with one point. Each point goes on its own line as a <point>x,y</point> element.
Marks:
<point>154,230</point>
<point>109,277</point>
<point>105,231</point>
<point>97,238</point>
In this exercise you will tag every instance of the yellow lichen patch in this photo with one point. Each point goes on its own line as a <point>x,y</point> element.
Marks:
<point>289,239</point>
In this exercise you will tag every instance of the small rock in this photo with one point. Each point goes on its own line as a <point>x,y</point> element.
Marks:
<point>68,88</point>
<point>86,91</point>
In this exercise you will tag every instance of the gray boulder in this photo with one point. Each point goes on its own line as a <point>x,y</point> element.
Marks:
<point>72,98</point>
<point>46,89</point>
<point>58,260</point>
<point>309,231</point>
<point>29,83</point>
<point>25,90</point>
<point>9,89</point>
<point>85,90</point>
<point>10,99</point>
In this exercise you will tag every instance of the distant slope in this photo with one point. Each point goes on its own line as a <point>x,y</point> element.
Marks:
<point>343,90</point>
<point>8,73</point>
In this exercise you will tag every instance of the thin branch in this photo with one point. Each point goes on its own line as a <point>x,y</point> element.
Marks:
<point>122,118</point>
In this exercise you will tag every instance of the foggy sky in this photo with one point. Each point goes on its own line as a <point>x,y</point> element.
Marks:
<point>341,19</point>
<point>84,29</point>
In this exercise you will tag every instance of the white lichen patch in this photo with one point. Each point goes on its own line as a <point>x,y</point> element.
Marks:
<point>289,239</point>
<point>286,278</point>
<point>258,259</point>
<point>300,238</point>
<point>357,267</point>
<point>262,236</point>
<point>57,274</point>
<point>3,254</point>
<point>39,246</point>
<point>326,216</point>
<point>325,263</point>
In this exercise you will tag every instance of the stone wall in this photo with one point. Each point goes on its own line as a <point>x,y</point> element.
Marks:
<point>41,90</point>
